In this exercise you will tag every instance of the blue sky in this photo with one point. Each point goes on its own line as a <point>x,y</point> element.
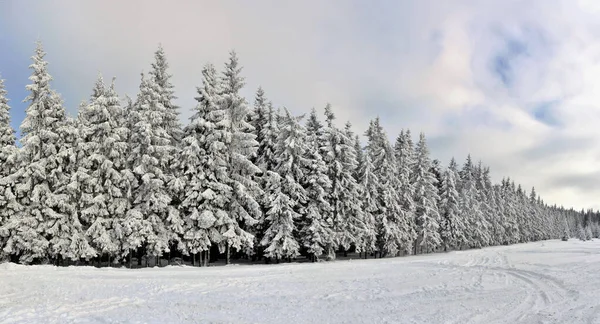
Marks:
<point>514,83</point>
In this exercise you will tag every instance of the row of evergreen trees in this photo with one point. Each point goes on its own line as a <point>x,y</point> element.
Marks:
<point>126,179</point>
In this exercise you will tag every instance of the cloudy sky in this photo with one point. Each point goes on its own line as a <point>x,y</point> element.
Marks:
<point>514,83</point>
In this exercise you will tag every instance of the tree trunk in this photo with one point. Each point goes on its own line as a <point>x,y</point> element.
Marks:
<point>207,258</point>
<point>157,261</point>
<point>109,264</point>
<point>130,252</point>
<point>169,261</point>
<point>227,253</point>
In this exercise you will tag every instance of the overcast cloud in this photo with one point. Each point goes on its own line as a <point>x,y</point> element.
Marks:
<point>514,83</point>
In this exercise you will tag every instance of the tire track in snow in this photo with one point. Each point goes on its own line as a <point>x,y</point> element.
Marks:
<point>61,312</point>
<point>543,293</point>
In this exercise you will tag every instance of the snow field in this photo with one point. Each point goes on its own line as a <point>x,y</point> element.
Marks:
<point>542,282</point>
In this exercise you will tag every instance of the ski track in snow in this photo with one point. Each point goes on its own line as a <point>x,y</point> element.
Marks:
<point>542,282</point>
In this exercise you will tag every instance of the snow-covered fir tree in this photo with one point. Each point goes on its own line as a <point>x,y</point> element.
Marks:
<point>369,184</point>
<point>344,195</point>
<point>316,232</point>
<point>7,135</point>
<point>258,119</point>
<point>470,206</point>
<point>244,209</point>
<point>452,229</point>
<point>8,156</point>
<point>40,173</point>
<point>164,88</point>
<point>286,193</point>
<point>170,121</point>
<point>67,232</point>
<point>265,160</point>
<point>102,176</point>
<point>483,194</point>
<point>149,159</point>
<point>427,216</point>
<point>404,154</point>
<point>511,226</point>
<point>203,165</point>
<point>394,231</point>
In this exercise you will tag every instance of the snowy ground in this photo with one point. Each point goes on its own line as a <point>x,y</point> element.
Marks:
<point>544,282</point>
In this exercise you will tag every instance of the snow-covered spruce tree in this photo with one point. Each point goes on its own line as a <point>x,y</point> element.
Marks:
<point>203,166</point>
<point>452,229</point>
<point>262,128</point>
<point>581,232</point>
<point>394,231</point>
<point>286,193</point>
<point>40,173</point>
<point>425,197</point>
<point>316,233</point>
<point>356,222</point>
<point>534,215</point>
<point>566,233</point>
<point>314,127</point>
<point>338,153</point>
<point>265,160</point>
<point>477,229</point>
<point>243,209</point>
<point>8,156</point>
<point>483,185</point>
<point>405,159</point>
<point>492,210</point>
<point>497,232</point>
<point>132,225</point>
<point>67,232</point>
<point>523,218</point>
<point>149,159</point>
<point>102,173</point>
<point>7,135</point>
<point>595,228</point>
<point>436,170</point>
<point>512,229</point>
<point>588,233</point>
<point>269,131</point>
<point>258,118</point>
<point>368,184</point>
<point>164,89</point>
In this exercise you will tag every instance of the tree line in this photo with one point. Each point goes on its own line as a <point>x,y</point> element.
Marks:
<point>125,180</point>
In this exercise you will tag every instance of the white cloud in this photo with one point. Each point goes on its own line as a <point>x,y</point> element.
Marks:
<point>417,64</point>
